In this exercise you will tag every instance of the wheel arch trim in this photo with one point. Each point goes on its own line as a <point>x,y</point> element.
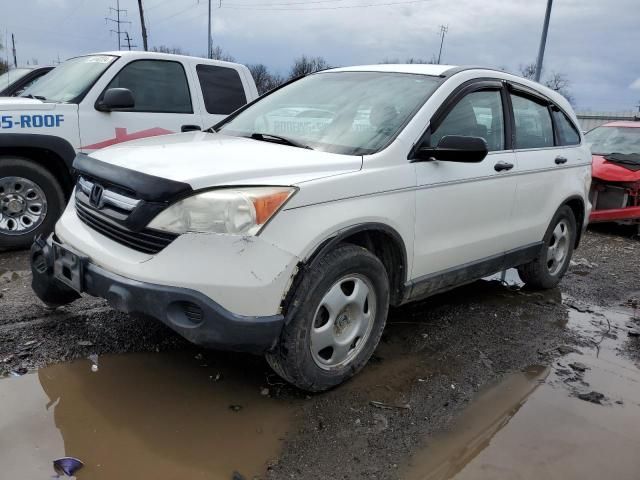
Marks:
<point>340,235</point>
<point>581,222</point>
<point>61,147</point>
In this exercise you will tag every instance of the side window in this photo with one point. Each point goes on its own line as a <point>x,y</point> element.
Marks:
<point>157,85</point>
<point>222,89</point>
<point>567,133</point>
<point>478,114</point>
<point>533,123</point>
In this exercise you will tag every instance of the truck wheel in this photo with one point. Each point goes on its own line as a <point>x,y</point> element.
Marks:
<point>334,320</point>
<point>31,200</point>
<point>552,263</point>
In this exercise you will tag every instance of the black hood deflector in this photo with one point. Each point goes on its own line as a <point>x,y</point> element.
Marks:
<point>146,187</point>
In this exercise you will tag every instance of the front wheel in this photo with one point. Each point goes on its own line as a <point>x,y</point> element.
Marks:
<point>334,321</point>
<point>552,262</point>
<point>31,200</point>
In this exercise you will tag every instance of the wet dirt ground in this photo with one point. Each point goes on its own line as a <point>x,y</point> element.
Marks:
<point>486,381</point>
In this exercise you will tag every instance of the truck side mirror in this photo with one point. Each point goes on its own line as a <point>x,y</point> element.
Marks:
<point>116,99</point>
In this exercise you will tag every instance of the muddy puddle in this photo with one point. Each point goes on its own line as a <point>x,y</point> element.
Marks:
<point>578,419</point>
<point>141,416</point>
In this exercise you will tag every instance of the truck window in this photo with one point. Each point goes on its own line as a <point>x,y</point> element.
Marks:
<point>222,89</point>
<point>158,86</point>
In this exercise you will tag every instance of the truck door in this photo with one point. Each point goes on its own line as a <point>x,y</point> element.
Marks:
<point>163,104</point>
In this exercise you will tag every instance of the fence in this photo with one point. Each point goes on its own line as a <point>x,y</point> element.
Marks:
<point>589,120</point>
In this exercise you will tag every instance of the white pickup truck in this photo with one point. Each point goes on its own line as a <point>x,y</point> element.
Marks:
<point>91,102</point>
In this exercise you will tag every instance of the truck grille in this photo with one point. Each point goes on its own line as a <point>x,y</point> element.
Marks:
<point>107,219</point>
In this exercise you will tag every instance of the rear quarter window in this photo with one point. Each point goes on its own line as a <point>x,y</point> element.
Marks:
<point>222,89</point>
<point>567,133</point>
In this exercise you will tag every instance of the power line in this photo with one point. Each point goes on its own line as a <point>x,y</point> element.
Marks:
<point>245,7</point>
<point>282,4</point>
<point>117,21</point>
<point>173,15</point>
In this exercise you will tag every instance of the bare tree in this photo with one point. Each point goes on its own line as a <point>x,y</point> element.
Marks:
<point>528,70</point>
<point>218,54</point>
<point>166,49</point>
<point>264,79</point>
<point>556,81</point>
<point>411,60</point>
<point>304,65</point>
<point>561,84</point>
<point>3,64</point>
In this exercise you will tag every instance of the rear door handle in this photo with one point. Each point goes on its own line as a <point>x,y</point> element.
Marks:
<point>561,160</point>
<point>190,128</point>
<point>500,166</point>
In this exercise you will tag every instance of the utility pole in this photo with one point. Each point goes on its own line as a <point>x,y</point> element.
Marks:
<point>144,27</point>
<point>13,44</point>
<point>443,31</point>
<point>543,40</point>
<point>117,20</point>
<point>209,52</point>
<point>128,39</point>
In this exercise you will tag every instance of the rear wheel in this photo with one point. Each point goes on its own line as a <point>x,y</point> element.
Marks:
<point>552,262</point>
<point>31,200</point>
<point>334,321</point>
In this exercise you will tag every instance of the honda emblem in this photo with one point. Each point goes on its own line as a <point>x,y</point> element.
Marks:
<point>95,198</point>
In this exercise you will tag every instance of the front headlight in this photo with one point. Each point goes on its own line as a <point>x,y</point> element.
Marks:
<point>241,211</point>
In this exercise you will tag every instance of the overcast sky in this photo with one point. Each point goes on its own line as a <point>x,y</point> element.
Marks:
<point>594,42</point>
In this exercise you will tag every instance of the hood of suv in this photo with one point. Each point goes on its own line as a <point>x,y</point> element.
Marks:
<point>208,159</point>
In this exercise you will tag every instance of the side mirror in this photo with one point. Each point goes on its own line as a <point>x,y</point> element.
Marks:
<point>116,99</point>
<point>455,148</point>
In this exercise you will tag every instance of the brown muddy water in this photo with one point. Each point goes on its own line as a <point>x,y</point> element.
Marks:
<point>140,416</point>
<point>533,425</point>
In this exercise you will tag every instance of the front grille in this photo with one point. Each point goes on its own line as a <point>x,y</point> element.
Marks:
<point>146,240</point>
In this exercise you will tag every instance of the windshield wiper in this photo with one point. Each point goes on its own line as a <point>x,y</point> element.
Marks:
<point>37,97</point>
<point>268,137</point>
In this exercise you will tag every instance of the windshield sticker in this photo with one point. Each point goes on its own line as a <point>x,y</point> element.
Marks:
<point>31,121</point>
<point>99,59</point>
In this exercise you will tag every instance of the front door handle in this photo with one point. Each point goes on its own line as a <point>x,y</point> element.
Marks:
<point>561,160</point>
<point>190,128</point>
<point>500,166</point>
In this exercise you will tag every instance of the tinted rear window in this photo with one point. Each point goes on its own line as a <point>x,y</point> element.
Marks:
<point>567,133</point>
<point>222,89</point>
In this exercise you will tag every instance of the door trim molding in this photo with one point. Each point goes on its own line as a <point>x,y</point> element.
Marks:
<point>453,277</point>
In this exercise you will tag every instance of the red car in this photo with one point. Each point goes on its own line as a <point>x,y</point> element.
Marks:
<point>615,191</point>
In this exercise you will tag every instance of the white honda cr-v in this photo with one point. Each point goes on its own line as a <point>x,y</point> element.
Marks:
<point>289,228</point>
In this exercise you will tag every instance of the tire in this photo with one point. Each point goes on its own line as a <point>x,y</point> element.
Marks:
<point>36,183</point>
<point>332,299</point>
<point>543,273</point>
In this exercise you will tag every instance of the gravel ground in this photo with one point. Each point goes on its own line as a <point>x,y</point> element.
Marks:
<point>434,356</point>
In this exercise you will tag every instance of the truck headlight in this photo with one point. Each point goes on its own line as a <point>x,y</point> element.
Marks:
<point>236,211</point>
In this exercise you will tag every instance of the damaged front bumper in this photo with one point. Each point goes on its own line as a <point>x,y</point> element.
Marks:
<point>615,202</point>
<point>60,275</point>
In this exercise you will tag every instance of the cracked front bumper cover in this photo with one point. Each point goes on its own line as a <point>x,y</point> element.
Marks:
<point>190,313</point>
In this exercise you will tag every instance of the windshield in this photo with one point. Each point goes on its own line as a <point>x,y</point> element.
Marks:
<point>607,140</point>
<point>11,76</point>
<point>352,113</point>
<point>70,81</point>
